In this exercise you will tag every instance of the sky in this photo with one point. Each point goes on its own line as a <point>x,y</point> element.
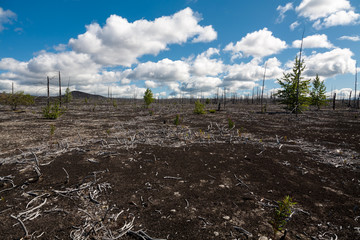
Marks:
<point>177,48</point>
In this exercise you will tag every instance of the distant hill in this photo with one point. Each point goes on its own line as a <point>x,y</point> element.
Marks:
<point>81,95</point>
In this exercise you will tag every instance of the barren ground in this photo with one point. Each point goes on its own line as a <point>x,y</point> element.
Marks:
<point>107,170</point>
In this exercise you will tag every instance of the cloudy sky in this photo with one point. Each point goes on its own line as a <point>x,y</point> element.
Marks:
<point>176,48</point>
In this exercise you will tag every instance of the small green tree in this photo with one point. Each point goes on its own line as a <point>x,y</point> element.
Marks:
<point>148,97</point>
<point>68,96</point>
<point>289,95</point>
<point>282,214</point>
<point>53,111</point>
<point>317,94</point>
<point>16,99</point>
<point>199,108</point>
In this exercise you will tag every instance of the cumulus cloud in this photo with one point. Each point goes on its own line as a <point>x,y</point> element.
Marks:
<point>351,38</point>
<point>120,42</point>
<point>314,41</point>
<point>257,44</point>
<point>203,65</point>
<point>341,18</point>
<point>164,70</point>
<point>328,13</point>
<point>330,64</point>
<point>6,16</point>
<point>245,75</point>
<point>282,10</point>
<point>315,9</point>
<point>201,84</point>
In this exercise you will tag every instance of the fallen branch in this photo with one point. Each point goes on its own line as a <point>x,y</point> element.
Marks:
<point>22,225</point>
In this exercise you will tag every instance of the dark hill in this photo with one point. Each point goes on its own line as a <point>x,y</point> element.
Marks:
<point>80,95</point>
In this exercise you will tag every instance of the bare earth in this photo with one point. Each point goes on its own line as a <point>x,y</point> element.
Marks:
<point>121,173</point>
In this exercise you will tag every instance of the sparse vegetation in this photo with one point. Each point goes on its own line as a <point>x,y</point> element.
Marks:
<point>67,96</point>
<point>231,124</point>
<point>52,129</point>
<point>177,120</point>
<point>16,99</point>
<point>212,111</point>
<point>148,97</point>
<point>53,111</point>
<point>317,94</point>
<point>199,108</point>
<point>282,214</point>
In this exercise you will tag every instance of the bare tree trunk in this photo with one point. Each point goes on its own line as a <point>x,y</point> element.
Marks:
<point>60,88</point>
<point>334,99</point>
<point>48,91</point>
<point>298,76</point>
<point>262,90</point>
<point>349,104</point>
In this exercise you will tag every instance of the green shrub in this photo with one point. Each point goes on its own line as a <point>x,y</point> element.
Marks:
<point>52,111</point>
<point>212,111</point>
<point>177,120</point>
<point>67,96</point>
<point>207,101</point>
<point>148,97</point>
<point>115,105</point>
<point>199,108</point>
<point>52,129</point>
<point>231,123</point>
<point>16,99</point>
<point>282,214</point>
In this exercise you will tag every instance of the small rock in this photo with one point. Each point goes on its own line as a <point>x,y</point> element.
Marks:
<point>177,194</point>
<point>222,186</point>
<point>173,210</point>
<point>263,238</point>
<point>226,217</point>
<point>216,234</point>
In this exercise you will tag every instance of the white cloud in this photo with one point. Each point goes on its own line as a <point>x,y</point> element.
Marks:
<point>6,16</point>
<point>351,38</point>
<point>282,10</point>
<point>252,71</point>
<point>341,18</point>
<point>315,9</point>
<point>314,41</point>
<point>203,65</point>
<point>257,44</point>
<point>294,25</point>
<point>151,84</point>
<point>341,93</point>
<point>328,13</point>
<point>164,70</point>
<point>122,43</point>
<point>330,64</point>
<point>201,84</point>
<point>60,47</point>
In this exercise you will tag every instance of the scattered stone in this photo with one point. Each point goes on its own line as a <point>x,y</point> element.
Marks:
<point>216,234</point>
<point>226,217</point>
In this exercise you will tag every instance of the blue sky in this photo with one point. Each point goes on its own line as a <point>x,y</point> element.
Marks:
<point>177,47</point>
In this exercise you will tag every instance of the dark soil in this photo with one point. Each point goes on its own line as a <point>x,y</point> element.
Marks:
<point>104,167</point>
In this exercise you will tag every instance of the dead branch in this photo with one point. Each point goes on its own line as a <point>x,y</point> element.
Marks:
<point>22,225</point>
<point>240,229</point>
<point>170,177</point>
<point>67,175</point>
